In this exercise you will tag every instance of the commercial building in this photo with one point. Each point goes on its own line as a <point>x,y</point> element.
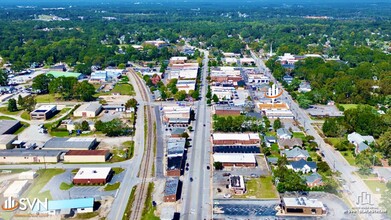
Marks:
<point>176,115</point>
<point>186,85</point>
<point>225,74</point>
<point>247,61</point>
<point>171,189</point>
<point>178,60</point>
<point>28,175</point>
<point>176,147</point>
<point>44,112</point>
<point>302,206</point>
<point>6,141</point>
<point>16,189</point>
<point>93,176</point>
<point>29,156</point>
<point>276,110</point>
<point>235,160</point>
<point>58,74</point>
<point>9,126</point>
<point>236,185</point>
<point>244,149</point>
<point>174,165</point>
<point>235,138</point>
<point>72,143</point>
<point>177,132</point>
<point>61,207</point>
<point>258,79</point>
<point>223,110</point>
<point>87,156</point>
<point>88,110</point>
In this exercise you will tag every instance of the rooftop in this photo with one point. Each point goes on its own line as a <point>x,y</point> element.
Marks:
<point>57,74</point>
<point>234,158</point>
<point>175,147</point>
<point>236,181</point>
<point>171,186</point>
<point>245,149</point>
<point>86,152</point>
<point>5,125</point>
<point>235,136</point>
<point>82,143</point>
<point>45,108</point>
<point>93,173</point>
<point>313,177</point>
<point>89,106</point>
<point>65,204</point>
<point>295,152</point>
<point>174,163</point>
<point>7,138</point>
<point>301,163</point>
<point>303,202</point>
<point>31,153</point>
<point>15,187</point>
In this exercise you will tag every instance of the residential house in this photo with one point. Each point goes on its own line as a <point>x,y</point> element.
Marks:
<point>303,166</point>
<point>313,180</point>
<point>361,142</point>
<point>269,140</point>
<point>295,154</point>
<point>283,133</point>
<point>288,79</point>
<point>304,87</point>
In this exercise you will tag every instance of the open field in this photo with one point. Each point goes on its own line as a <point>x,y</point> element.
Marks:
<point>4,110</point>
<point>348,106</point>
<point>148,212</point>
<point>46,98</point>
<point>123,89</point>
<point>376,186</point>
<point>260,188</point>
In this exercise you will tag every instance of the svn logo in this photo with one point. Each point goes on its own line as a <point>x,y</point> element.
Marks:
<point>23,204</point>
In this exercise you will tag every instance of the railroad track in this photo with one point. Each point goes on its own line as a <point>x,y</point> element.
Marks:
<point>145,165</point>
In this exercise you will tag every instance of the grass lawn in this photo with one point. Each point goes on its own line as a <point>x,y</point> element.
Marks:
<point>349,157</point>
<point>128,210</point>
<point>148,211</point>
<point>86,215</point>
<point>66,186</point>
<point>260,188</point>
<point>122,154</point>
<point>4,110</point>
<point>271,133</point>
<point>59,133</point>
<point>24,126</point>
<point>348,106</point>
<point>300,135</point>
<point>373,185</point>
<point>60,113</point>
<point>370,176</point>
<point>43,178</point>
<point>118,170</point>
<point>275,147</point>
<point>25,115</point>
<point>6,118</point>
<point>123,89</point>
<point>111,187</point>
<point>334,141</point>
<point>46,98</point>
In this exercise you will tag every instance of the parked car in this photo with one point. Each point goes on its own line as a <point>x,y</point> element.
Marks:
<point>191,179</point>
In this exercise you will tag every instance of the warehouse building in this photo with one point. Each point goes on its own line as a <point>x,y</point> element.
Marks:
<point>16,189</point>
<point>72,143</point>
<point>87,156</point>
<point>63,207</point>
<point>44,112</point>
<point>88,110</point>
<point>171,189</point>
<point>235,138</point>
<point>29,156</point>
<point>235,160</point>
<point>93,176</point>
<point>6,141</point>
<point>9,126</point>
<point>174,165</point>
<point>176,147</point>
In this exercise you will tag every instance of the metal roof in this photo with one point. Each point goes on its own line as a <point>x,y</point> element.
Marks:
<point>237,149</point>
<point>92,173</point>
<point>32,153</point>
<point>174,163</point>
<point>81,143</point>
<point>171,186</point>
<point>65,204</point>
<point>86,152</point>
<point>234,158</point>
<point>57,74</point>
<point>6,125</point>
<point>7,138</point>
<point>90,106</point>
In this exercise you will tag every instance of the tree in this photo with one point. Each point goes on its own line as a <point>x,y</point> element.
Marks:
<point>41,83</point>
<point>84,91</point>
<point>121,66</point>
<point>131,103</point>
<point>277,124</point>
<point>363,161</point>
<point>194,94</point>
<point>384,143</point>
<point>215,98</point>
<point>85,126</point>
<point>180,96</point>
<point>185,135</point>
<point>386,200</point>
<point>20,100</point>
<point>3,78</point>
<point>218,165</point>
<point>29,103</point>
<point>12,105</point>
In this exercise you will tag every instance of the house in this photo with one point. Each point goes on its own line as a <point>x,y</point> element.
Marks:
<point>29,156</point>
<point>44,112</point>
<point>87,156</point>
<point>283,133</point>
<point>384,174</point>
<point>303,166</point>
<point>88,110</point>
<point>72,143</point>
<point>171,189</point>
<point>313,180</point>
<point>58,207</point>
<point>236,185</point>
<point>302,206</point>
<point>295,154</point>
<point>269,140</point>
<point>235,160</point>
<point>272,160</point>
<point>9,126</point>
<point>6,141</point>
<point>288,79</point>
<point>304,87</point>
<point>93,176</point>
<point>361,142</point>
<point>235,138</point>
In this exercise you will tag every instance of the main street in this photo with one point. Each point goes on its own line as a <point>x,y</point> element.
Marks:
<point>333,158</point>
<point>197,194</point>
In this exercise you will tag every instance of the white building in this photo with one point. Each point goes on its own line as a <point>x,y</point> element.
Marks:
<point>186,85</point>
<point>235,160</point>
<point>16,189</point>
<point>88,110</point>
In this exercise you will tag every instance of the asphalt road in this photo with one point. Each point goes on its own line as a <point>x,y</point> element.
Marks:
<point>197,194</point>
<point>333,158</point>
